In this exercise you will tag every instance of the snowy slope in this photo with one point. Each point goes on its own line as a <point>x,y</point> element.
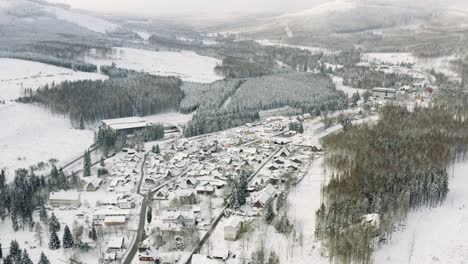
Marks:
<point>92,23</point>
<point>187,65</point>
<point>16,75</point>
<point>35,9</point>
<point>30,134</point>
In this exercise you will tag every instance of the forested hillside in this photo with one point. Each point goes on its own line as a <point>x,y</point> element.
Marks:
<point>205,96</point>
<point>366,78</point>
<point>309,92</point>
<point>127,95</point>
<point>381,173</point>
<point>231,103</point>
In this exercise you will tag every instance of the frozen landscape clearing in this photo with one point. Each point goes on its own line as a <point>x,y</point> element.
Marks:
<point>187,65</point>
<point>16,75</point>
<point>31,134</point>
<point>439,64</point>
<point>314,50</point>
<point>437,235</point>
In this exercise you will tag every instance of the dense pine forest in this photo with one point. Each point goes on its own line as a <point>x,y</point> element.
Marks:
<point>226,104</point>
<point>381,173</point>
<point>134,94</point>
<point>311,93</point>
<point>367,78</point>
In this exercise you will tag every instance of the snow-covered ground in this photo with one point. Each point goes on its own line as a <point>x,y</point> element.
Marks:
<point>84,20</point>
<point>30,134</point>
<point>440,64</point>
<point>187,65</point>
<point>267,42</point>
<point>16,75</point>
<point>438,235</point>
<point>338,81</point>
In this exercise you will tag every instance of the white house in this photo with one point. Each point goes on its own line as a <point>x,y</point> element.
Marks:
<point>116,243</point>
<point>232,228</point>
<point>100,215</point>
<point>264,197</point>
<point>62,198</point>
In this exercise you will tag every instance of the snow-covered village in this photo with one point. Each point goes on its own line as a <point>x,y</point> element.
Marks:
<point>155,133</point>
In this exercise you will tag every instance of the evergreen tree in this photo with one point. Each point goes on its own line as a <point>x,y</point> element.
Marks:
<point>143,235</point>
<point>14,249</point>
<point>82,126</point>
<point>156,149</point>
<point>67,240</point>
<point>273,259</point>
<point>8,260</point>
<point>25,259</point>
<point>269,213</point>
<point>87,164</point>
<point>54,242</point>
<point>43,259</point>
<point>43,214</point>
<point>2,180</point>
<point>93,234</point>
<point>355,98</point>
<point>149,214</point>
<point>54,224</point>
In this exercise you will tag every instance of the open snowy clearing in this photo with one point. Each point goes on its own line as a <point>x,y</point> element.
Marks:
<point>438,235</point>
<point>17,75</point>
<point>441,64</point>
<point>31,134</point>
<point>92,23</point>
<point>338,81</point>
<point>187,65</point>
<point>314,50</point>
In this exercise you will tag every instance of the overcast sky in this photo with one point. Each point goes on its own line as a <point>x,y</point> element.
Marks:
<point>218,8</point>
<point>170,7</point>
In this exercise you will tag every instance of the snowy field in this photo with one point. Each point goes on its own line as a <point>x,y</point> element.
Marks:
<point>338,81</point>
<point>16,75</point>
<point>92,23</point>
<point>31,134</point>
<point>187,65</point>
<point>314,50</point>
<point>440,64</point>
<point>438,235</point>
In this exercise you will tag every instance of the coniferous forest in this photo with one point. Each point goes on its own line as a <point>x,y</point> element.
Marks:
<point>386,172</point>
<point>127,94</point>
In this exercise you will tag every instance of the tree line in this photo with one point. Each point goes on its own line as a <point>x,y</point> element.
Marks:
<point>137,94</point>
